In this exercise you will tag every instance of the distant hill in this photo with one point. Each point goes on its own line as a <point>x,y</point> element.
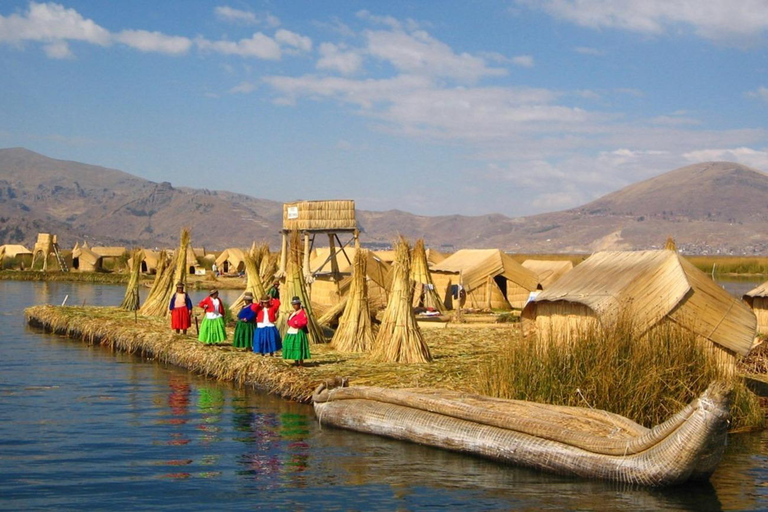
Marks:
<point>708,207</point>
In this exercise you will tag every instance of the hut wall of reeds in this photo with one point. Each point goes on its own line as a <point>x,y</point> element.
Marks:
<point>85,260</point>
<point>332,215</point>
<point>19,253</point>
<point>327,293</point>
<point>148,263</point>
<point>231,260</point>
<point>491,278</point>
<point>548,271</point>
<point>757,299</point>
<point>655,287</point>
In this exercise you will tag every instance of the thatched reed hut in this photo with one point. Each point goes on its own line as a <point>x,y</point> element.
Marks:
<point>17,253</point>
<point>757,299</point>
<point>231,260</point>
<point>651,287</point>
<point>148,263</point>
<point>491,279</point>
<point>548,271</point>
<point>85,260</point>
<point>332,215</point>
<point>325,291</point>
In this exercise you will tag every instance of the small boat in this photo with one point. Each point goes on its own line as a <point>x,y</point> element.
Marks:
<point>573,441</point>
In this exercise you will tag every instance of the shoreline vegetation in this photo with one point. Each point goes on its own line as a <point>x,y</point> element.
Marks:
<point>484,359</point>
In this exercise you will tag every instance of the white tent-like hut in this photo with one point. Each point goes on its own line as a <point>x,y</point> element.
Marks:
<point>231,260</point>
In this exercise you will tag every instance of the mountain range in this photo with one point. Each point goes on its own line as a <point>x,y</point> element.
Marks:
<point>709,208</point>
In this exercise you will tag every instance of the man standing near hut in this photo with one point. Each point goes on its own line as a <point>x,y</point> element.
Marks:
<point>181,310</point>
<point>212,330</point>
<point>245,327</point>
<point>296,340</point>
<point>266,339</point>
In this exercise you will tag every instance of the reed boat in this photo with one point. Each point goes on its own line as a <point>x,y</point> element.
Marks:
<point>574,441</point>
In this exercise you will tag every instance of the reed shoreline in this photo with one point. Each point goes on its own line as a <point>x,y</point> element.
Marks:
<point>456,353</point>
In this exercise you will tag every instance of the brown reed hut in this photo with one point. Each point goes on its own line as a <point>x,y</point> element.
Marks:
<point>325,291</point>
<point>85,260</point>
<point>653,287</point>
<point>148,263</point>
<point>548,271</point>
<point>231,260</point>
<point>757,299</point>
<point>19,253</point>
<point>491,279</point>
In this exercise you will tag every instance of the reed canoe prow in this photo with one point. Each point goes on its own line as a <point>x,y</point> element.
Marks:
<point>566,440</point>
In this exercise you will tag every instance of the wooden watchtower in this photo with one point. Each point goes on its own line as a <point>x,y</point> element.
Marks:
<point>335,218</point>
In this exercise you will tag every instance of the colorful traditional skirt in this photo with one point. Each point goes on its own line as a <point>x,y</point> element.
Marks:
<point>212,330</point>
<point>296,346</point>
<point>180,318</point>
<point>266,340</point>
<point>243,335</point>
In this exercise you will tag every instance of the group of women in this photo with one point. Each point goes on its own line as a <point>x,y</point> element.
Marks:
<point>255,328</point>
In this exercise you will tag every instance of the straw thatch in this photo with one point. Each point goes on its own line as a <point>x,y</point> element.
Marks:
<point>110,252</point>
<point>425,295</point>
<point>548,271</point>
<point>491,278</point>
<point>757,299</point>
<point>657,286</point>
<point>330,318</point>
<point>355,333</point>
<point>253,281</point>
<point>85,260</point>
<point>148,264</point>
<point>13,250</point>
<point>399,338</point>
<point>336,215</point>
<point>295,286</point>
<point>231,260</point>
<point>131,298</point>
<point>670,244</point>
<point>164,285</point>
<point>269,265</point>
<point>328,292</point>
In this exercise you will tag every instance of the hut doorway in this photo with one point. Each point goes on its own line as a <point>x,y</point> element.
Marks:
<point>191,270</point>
<point>501,282</point>
<point>76,263</point>
<point>144,267</point>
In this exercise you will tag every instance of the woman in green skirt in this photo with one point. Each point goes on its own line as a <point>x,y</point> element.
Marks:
<point>212,328</point>
<point>296,343</point>
<point>246,324</point>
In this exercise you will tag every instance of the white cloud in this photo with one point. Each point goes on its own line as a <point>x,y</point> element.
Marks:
<point>525,61</point>
<point>259,46</point>
<point>388,21</point>
<point>158,42</point>
<point>243,88</point>
<point>51,23</point>
<point>231,15</point>
<point>58,50</point>
<point>742,155</point>
<point>712,19</point>
<point>760,93</point>
<point>288,38</point>
<point>586,50</point>
<point>335,58</point>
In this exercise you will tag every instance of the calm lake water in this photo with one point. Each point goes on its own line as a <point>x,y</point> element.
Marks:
<point>83,428</point>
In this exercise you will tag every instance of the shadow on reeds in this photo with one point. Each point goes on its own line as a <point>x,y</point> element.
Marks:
<point>645,378</point>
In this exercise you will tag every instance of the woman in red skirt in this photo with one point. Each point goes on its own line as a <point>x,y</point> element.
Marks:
<point>181,310</point>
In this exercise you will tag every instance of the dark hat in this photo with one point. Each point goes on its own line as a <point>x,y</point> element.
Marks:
<point>179,285</point>
<point>295,300</point>
<point>248,296</point>
<point>213,290</point>
<point>265,298</point>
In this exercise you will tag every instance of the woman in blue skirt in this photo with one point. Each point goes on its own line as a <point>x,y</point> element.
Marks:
<point>266,339</point>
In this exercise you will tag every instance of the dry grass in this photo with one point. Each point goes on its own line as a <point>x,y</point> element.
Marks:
<point>355,333</point>
<point>737,265</point>
<point>77,277</point>
<point>131,298</point>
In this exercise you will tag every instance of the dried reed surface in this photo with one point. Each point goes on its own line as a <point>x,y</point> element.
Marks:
<point>645,379</point>
<point>425,294</point>
<point>330,318</point>
<point>131,298</point>
<point>456,353</point>
<point>164,285</point>
<point>319,215</point>
<point>295,286</point>
<point>399,338</point>
<point>268,266</point>
<point>731,265</point>
<point>355,333</point>
<point>253,283</point>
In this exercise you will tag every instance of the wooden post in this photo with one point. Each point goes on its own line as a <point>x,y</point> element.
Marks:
<point>334,264</point>
<point>284,254</point>
<point>307,270</point>
<point>356,236</point>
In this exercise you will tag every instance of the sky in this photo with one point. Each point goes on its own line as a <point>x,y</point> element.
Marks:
<point>432,107</point>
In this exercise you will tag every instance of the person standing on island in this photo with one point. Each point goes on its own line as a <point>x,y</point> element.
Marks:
<point>296,341</point>
<point>246,325</point>
<point>212,330</point>
<point>274,291</point>
<point>181,310</point>
<point>266,339</point>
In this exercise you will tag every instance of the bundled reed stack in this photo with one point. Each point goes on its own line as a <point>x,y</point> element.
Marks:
<point>165,284</point>
<point>424,294</point>
<point>131,299</point>
<point>355,333</point>
<point>295,286</point>
<point>670,245</point>
<point>253,280</point>
<point>399,339</point>
<point>268,265</point>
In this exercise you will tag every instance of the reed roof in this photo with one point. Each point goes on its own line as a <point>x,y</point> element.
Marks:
<point>86,255</point>
<point>759,291</point>
<point>548,271</point>
<point>233,255</point>
<point>319,215</point>
<point>110,252</point>
<point>655,285</point>
<point>377,270</point>
<point>12,250</point>
<point>477,265</point>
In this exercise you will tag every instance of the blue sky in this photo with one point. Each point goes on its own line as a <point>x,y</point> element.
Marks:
<point>514,107</point>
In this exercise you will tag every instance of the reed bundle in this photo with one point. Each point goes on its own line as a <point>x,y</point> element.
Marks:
<point>131,299</point>
<point>253,281</point>
<point>309,215</point>
<point>425,294</point>
<point>295,286</point>
<point>670,244</point>
<point>165,283</point>
<point>268,265</point>
<point>331,317</point>
<point>355,333</point>
<point>399,338</point>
